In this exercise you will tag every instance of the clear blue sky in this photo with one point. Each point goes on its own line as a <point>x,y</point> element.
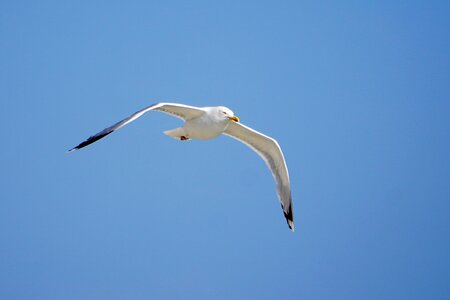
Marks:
<point>356,93</point>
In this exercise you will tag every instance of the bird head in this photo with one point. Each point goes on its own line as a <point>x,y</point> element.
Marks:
<point>227,113</point>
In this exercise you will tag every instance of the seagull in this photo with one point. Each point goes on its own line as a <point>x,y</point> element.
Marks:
<point>204,123</point>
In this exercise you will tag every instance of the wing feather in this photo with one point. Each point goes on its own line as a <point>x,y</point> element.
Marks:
<point>269,150</point>
<point>184,112</point>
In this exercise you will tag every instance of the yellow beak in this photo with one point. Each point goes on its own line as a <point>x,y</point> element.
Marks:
<point>234,118</point>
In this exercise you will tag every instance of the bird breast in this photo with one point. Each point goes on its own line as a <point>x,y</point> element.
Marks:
<point>205,127</point>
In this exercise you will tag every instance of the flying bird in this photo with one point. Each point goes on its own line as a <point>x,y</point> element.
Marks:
<point>203,123</point>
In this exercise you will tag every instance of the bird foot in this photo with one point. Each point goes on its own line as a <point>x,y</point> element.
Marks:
<point>183,138</point>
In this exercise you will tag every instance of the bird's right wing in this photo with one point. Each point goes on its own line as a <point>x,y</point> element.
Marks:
<point>184,112</point>
<point>269,150</point>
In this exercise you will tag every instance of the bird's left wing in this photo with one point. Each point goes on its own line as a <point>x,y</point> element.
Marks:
<point>269,150</point>
<point>184,112</point>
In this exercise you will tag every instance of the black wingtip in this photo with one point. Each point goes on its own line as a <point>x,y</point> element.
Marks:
<point>89,141</point>
<point>289,217</point>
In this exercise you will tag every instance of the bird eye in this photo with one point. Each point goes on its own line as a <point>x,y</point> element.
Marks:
<point>224,113</point>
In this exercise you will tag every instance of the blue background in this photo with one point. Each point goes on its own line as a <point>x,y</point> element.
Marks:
<point>356,93</point>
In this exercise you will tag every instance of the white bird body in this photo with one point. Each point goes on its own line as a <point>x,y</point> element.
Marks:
<point>208,125</point>
<point>209,122</point>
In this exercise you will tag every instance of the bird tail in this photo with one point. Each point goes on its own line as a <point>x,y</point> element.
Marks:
<point>177,133</point>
